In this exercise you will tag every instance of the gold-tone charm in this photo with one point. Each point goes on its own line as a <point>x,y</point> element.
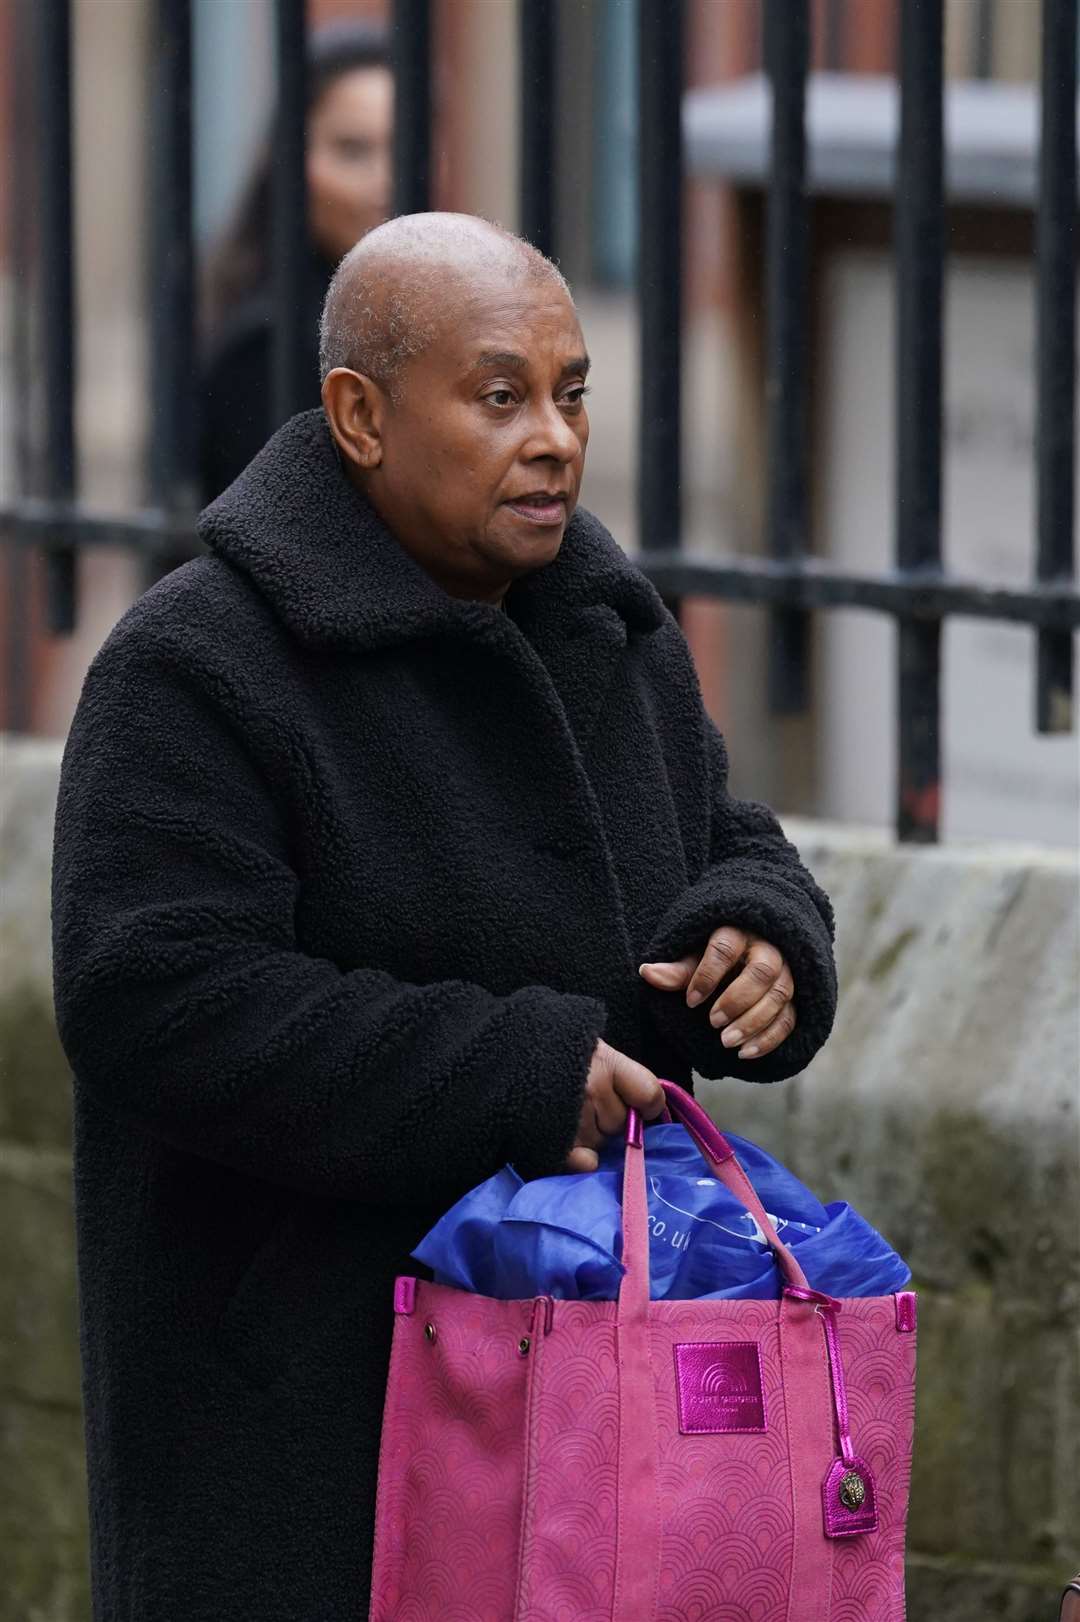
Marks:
<point>852,1490</point>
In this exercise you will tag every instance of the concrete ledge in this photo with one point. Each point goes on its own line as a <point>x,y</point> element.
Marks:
<point>946,1107</point>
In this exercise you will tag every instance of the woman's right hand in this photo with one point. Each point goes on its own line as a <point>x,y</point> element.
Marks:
<point>616,1083</point>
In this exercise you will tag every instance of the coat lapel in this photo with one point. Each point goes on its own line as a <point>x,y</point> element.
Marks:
<point>581,652</point>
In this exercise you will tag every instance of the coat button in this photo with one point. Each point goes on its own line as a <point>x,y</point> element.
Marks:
<point>430,1332</point>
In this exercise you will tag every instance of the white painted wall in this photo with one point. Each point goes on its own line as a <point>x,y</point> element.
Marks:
<point>1002,781</point>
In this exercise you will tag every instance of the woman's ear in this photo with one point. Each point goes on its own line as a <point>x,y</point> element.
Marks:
<point>354,407</point>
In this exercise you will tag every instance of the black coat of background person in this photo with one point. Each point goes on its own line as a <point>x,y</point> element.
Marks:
<point>350,876</point>
<point>236,389</point>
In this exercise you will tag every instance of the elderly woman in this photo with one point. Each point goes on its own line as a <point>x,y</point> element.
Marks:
<point>393,844</point>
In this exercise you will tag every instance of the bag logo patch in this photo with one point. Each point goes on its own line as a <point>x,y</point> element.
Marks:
<point>719,1387</point>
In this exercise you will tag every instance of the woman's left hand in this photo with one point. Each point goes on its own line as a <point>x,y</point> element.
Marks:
<point>755,1011</point>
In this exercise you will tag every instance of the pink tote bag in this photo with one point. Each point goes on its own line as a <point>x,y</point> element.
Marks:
<point>646,1461</point>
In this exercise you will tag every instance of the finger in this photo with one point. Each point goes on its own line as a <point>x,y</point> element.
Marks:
<point>669,976</point>
<point>723,953</point>
<point>747,1023</point>
<point>609,1113</point>
<point>637,1087</point>
<point>758,975</point>
<point>772,1036</point>
<point>590,1133</point>
<point>756,1019</point>
<point>581,1159</point>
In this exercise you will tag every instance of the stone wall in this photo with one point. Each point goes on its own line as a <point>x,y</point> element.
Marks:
<point>945,1107</point>
<point>43,1576</point>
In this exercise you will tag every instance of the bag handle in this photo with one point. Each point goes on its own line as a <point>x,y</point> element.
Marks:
<point>719,1154</point>
<point>1070,1601</point>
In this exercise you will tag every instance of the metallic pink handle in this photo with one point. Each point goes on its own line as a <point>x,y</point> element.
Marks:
<point>828,1306</point>
<point>705,1133</point>
<point>721,1157</point>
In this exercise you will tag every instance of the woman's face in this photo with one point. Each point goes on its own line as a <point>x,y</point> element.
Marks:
<point>349,135</point>
<point>479,459</point>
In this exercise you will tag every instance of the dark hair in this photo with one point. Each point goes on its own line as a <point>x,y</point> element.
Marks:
<point>237,264</point>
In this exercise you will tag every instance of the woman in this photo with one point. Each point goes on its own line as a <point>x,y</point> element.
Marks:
<point>393,843</point>
<point>349,133</point>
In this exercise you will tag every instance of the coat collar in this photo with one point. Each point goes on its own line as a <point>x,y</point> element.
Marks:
<point>332,571</point>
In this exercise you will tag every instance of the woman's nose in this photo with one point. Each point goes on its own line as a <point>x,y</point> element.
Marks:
<point>554,436</point>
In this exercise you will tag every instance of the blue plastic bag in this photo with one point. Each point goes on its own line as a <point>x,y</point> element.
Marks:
<point>562,1236</point>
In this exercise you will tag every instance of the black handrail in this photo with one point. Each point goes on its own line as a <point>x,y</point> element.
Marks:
<point>920,257</point>
<point>1055,432</point>
<point>57,259</point>
<point>787,54</point>
<point>289,250</point>
<point>411,43</point>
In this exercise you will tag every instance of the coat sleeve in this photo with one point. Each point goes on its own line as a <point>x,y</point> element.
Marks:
<point>756,881</point>
<point>185,1004</point>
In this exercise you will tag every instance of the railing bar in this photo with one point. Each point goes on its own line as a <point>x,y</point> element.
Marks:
<point>411,52</point>
<point>17,569</point>
<point>920,249</point>
<point>538,22</point>
<point>835,35</point>
<point>660,205</point>
<point>292,343</point>
<point>982,29</point>
<point>814,585</point>
<point>171,469</point>
<point>809,584</point>
<point>56,260</point>
<point>1056,247</point>
<point>787,54</point>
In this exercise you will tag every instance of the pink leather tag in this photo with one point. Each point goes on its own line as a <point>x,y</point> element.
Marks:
<point>849,1499</point>
<point>404,1296</point>
<point>719,1383</point>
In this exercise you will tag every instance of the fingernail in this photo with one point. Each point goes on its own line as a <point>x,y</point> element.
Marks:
<point>693,998</point>
<point>643,966</point>
<point>732,1037</point>
<point>718,1018</point>
<point>750,1051</point>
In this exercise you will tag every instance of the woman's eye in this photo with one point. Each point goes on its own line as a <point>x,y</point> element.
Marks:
<point>500,397</point>
<point>575,396</point>
<point>354,150</point>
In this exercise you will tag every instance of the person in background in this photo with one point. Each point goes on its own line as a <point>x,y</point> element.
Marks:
<point>349,134</point>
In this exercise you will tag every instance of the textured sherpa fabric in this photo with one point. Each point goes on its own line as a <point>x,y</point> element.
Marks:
<point>349,878</point>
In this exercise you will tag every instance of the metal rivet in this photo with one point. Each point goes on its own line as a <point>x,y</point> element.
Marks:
<point>430,1331</point>
<point>852,1490</point>
<point>523,1345</point>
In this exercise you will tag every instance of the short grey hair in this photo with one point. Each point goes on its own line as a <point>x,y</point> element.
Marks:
<point>374,331</point>
<point>376,340</point>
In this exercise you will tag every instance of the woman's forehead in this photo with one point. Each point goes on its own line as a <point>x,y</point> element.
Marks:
<point>534,324</point>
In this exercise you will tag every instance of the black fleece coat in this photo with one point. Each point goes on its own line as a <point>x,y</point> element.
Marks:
<point>349,878</point>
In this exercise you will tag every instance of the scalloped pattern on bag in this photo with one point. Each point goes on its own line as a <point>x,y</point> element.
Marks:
<point>497,1483</point>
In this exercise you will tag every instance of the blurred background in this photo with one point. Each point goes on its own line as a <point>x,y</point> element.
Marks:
<point>836,760</point>
<point>946,1104</point>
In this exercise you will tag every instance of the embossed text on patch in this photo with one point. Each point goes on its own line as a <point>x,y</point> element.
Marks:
<point>719,1385</point>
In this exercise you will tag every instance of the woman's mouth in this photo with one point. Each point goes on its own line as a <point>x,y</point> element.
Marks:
<point>540,508</point>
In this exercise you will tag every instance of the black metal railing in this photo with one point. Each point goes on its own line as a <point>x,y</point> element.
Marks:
<point>918,593</point>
